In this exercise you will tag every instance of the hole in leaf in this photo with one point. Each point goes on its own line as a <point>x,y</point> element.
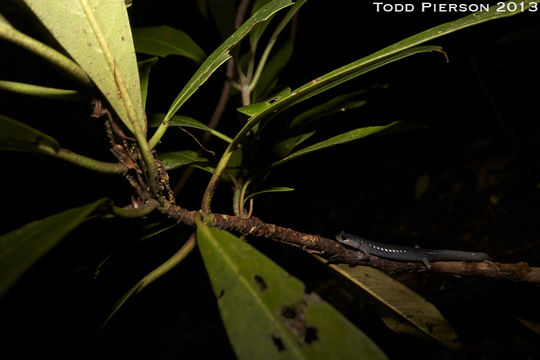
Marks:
<point>221,293</point>
<point>288,312</point>
<point>260,281</point>
<point>311,335</point>
<point>278,343</point>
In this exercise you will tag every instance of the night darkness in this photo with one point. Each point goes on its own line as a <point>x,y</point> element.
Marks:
<point>478,148</point>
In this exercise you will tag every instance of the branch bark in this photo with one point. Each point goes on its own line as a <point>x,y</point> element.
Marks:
<point>335,252</point>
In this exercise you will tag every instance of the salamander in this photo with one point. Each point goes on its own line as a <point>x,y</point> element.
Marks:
<point>405,253</point>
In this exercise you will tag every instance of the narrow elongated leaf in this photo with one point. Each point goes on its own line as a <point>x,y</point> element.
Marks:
<point>277,31</point>
<point>273,68</point>
<point>97,36</point>
<point>156,229</point>
<point>16,136</point>
<point>397,51</point>
<point>216,59</point>
<point>340,139</point>
<point>144,74</point>
<point>339,103</point>
<point>265,311</point>
<point>257,32</point>
<point>186,121</point>
<point>271,190</point>
<point>40,91</point>
<point>152,276</point>
<point>340,76</point>
<point>533,326</point>
<point>176,159</point>
<point>286,146</point>
<point>3,20</point>
<point>223,12</point>
<point>21,248</point>
<point>221,54</point>
<point>203,7</point>
<point>165,40</point>
<point>256,108</point>
<point>330,80</point>
<point>412,313</point>
<point>54,57</point>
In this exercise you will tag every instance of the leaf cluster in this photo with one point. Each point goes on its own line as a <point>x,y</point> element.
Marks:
<point>266,312</point>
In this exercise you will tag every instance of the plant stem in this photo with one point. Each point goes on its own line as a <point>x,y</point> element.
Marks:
<point>214,180</point>
<point>169,264</point>
<point>131,212</point>
<point>84,161</point>
<point>40,91</point>
<point>59,60</point>
<point>237,200</point>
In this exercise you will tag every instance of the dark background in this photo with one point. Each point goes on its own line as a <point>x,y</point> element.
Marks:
<point>479,151</point>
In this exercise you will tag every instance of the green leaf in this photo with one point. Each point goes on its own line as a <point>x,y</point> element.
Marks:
<point>301,94</point>
<point>40,91</point>
<point>21,248</point>
<point>342,139</point>
<point>403,310</point>
<point>256,108</point>
<point>397,51</point>
<point>97,36</point>
<point>338,104</point>
<point>16,136</point>
<point>277,31</point>
<point>3,20</point>
<point>176,159</point>
<point>152,276</point>
<point>216,59</point>
<point>273,68</point>
<point>54,57</point>
<point>271,190</point>
<point>421,186</point>
<point>144,74</point>
<point>340,76</point>
<point>155,229</point>
<point>267,314</point>
<point>257,32</point>
<point>202,5</point>
<point>286,146</point>
<point>186,121</point>
<point>223,12</point>
<point>165,40</point>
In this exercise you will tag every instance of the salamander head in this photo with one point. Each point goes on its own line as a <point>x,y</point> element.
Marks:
<point>347,239</point>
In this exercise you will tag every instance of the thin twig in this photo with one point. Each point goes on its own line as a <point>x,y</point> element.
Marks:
<point>201,146</point>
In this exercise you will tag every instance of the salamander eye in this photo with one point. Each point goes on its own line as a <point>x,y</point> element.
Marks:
<point>343,236</point>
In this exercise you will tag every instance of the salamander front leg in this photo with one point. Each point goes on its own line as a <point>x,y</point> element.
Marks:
<point>364,249</point>
<point>427,264</point>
